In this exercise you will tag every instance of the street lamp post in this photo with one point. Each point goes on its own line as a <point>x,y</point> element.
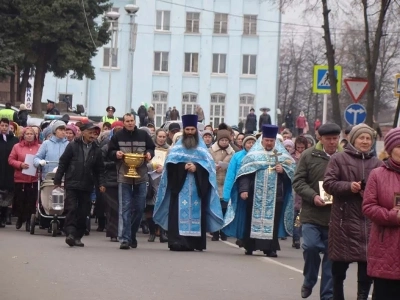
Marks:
<point>112,16</point>
<point>131,9</point>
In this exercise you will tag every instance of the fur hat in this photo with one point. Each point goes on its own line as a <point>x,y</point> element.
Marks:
<point>223,134</point>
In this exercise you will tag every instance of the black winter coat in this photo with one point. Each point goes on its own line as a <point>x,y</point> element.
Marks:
<point>110,167</point>
<point>80,174</point>
<point>251,123</point>
<point>23,118</point>
<point>6,171</point>
<point>264,120</point>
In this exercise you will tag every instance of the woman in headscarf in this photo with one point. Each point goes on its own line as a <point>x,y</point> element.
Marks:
<point>160,140</point>
<point>345,179</point>
<point>382,206</point>
<point>25,188</point>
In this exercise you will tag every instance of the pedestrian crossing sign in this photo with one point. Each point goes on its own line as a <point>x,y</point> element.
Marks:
<point>321,80</point>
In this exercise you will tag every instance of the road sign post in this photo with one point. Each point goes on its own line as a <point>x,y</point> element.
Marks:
<point>356,87</point>
<point>355,114</point>
<point>322,85</point>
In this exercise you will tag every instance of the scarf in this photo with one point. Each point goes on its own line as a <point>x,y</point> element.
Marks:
<point>392,165</point>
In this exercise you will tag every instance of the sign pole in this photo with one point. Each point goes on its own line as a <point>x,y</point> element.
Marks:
<point>325,109</point>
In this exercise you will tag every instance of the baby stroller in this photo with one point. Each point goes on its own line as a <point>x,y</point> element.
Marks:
<point>50,210</point>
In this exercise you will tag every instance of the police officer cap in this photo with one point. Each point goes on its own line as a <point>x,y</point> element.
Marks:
<point>50,101</point>
<point>110,108</point>
<point>329,129</point>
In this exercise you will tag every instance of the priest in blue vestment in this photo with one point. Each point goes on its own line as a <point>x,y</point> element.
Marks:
<point>260,210</point>
<point>188,205</point>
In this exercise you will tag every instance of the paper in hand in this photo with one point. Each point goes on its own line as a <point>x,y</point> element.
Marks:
<point>31,171</point>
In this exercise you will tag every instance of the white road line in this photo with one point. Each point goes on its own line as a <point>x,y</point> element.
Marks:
<point>270,260</point>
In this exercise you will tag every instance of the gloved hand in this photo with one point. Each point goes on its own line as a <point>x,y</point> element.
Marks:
<point>42,162</point>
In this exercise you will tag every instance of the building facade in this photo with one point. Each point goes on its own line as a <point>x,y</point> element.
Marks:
<point>220,54</point>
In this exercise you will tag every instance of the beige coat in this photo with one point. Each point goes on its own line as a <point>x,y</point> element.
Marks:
<point>224,156</point>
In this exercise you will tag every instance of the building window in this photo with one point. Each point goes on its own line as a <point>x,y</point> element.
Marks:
<point>163,20</point>
<point>217,109</point>
<point>192,22</point>
<point>221,23</point>
<point>191,62</point>
<point>160,102</point>
<point>250,25</point>
<point>189,101</point>
<point>114,23</point>
<point>107,58</point>
<point>249,64</point>
<point>246,102</point>
<point>161,61</point>
<point>219,63</point>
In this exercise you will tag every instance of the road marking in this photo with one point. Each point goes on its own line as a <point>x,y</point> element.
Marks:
<point>270,260</point>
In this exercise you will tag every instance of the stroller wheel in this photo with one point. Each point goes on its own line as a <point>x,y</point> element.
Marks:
<point>33,223</point>
<point>54,229</point>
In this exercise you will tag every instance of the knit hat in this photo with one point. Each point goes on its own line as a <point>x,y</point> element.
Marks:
<point>221,134</point>
<point>288,143</point>
<point>72,128</point>
<point>56,125</point>
<point>248,138</point>
<point>46,132</point>
<point>392,140</point>
<point>117,124</point>
<point>359,129</point>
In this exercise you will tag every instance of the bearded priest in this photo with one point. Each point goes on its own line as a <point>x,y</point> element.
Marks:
<point>188,204</point>
<point>261,211</point>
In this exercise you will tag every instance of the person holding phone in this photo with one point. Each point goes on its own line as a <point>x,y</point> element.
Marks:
<point>345,179</point>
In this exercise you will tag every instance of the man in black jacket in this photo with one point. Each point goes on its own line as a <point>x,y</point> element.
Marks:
<point>81,161</point>
<point>132,191</point>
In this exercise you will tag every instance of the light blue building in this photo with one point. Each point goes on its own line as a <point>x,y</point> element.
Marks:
<point>220,54</point>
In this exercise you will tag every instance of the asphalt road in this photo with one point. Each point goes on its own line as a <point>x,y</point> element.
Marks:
<point>43,268</point>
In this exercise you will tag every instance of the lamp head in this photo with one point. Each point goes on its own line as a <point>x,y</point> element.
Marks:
<point>112,15</point>
<point>131,8</point>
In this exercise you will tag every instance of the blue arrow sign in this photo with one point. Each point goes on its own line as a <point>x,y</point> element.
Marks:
<point>355,114</point>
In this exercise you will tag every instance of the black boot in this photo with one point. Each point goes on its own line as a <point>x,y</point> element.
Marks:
<point>145,228</point>
<point>28,225</point>
<point>338,292</point>
<point>101,221</point>
<point>152,238</point>
<point>163,236</point>
<point>9,210</point>
<point>363,288</point>
<point>215,236</point>
<point>223,236</point>
<point>18,225</point>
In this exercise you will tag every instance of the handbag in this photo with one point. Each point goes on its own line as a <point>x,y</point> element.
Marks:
<point>6,198</point>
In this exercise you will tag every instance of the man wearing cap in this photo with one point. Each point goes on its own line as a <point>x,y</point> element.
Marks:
<point>110,115</point>
<point>315,213</point>
<point>51,109</point>
<point>81,163</point>
<point>131,191</point>
<point>172,129</point>
<point>188,204</point>
<point>264,184</point>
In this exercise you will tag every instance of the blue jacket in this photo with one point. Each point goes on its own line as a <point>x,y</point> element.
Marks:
<point>51,150</point>
<point>233,168</point>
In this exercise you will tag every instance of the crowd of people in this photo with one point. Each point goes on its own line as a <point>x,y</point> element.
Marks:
<point>258,187</point>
